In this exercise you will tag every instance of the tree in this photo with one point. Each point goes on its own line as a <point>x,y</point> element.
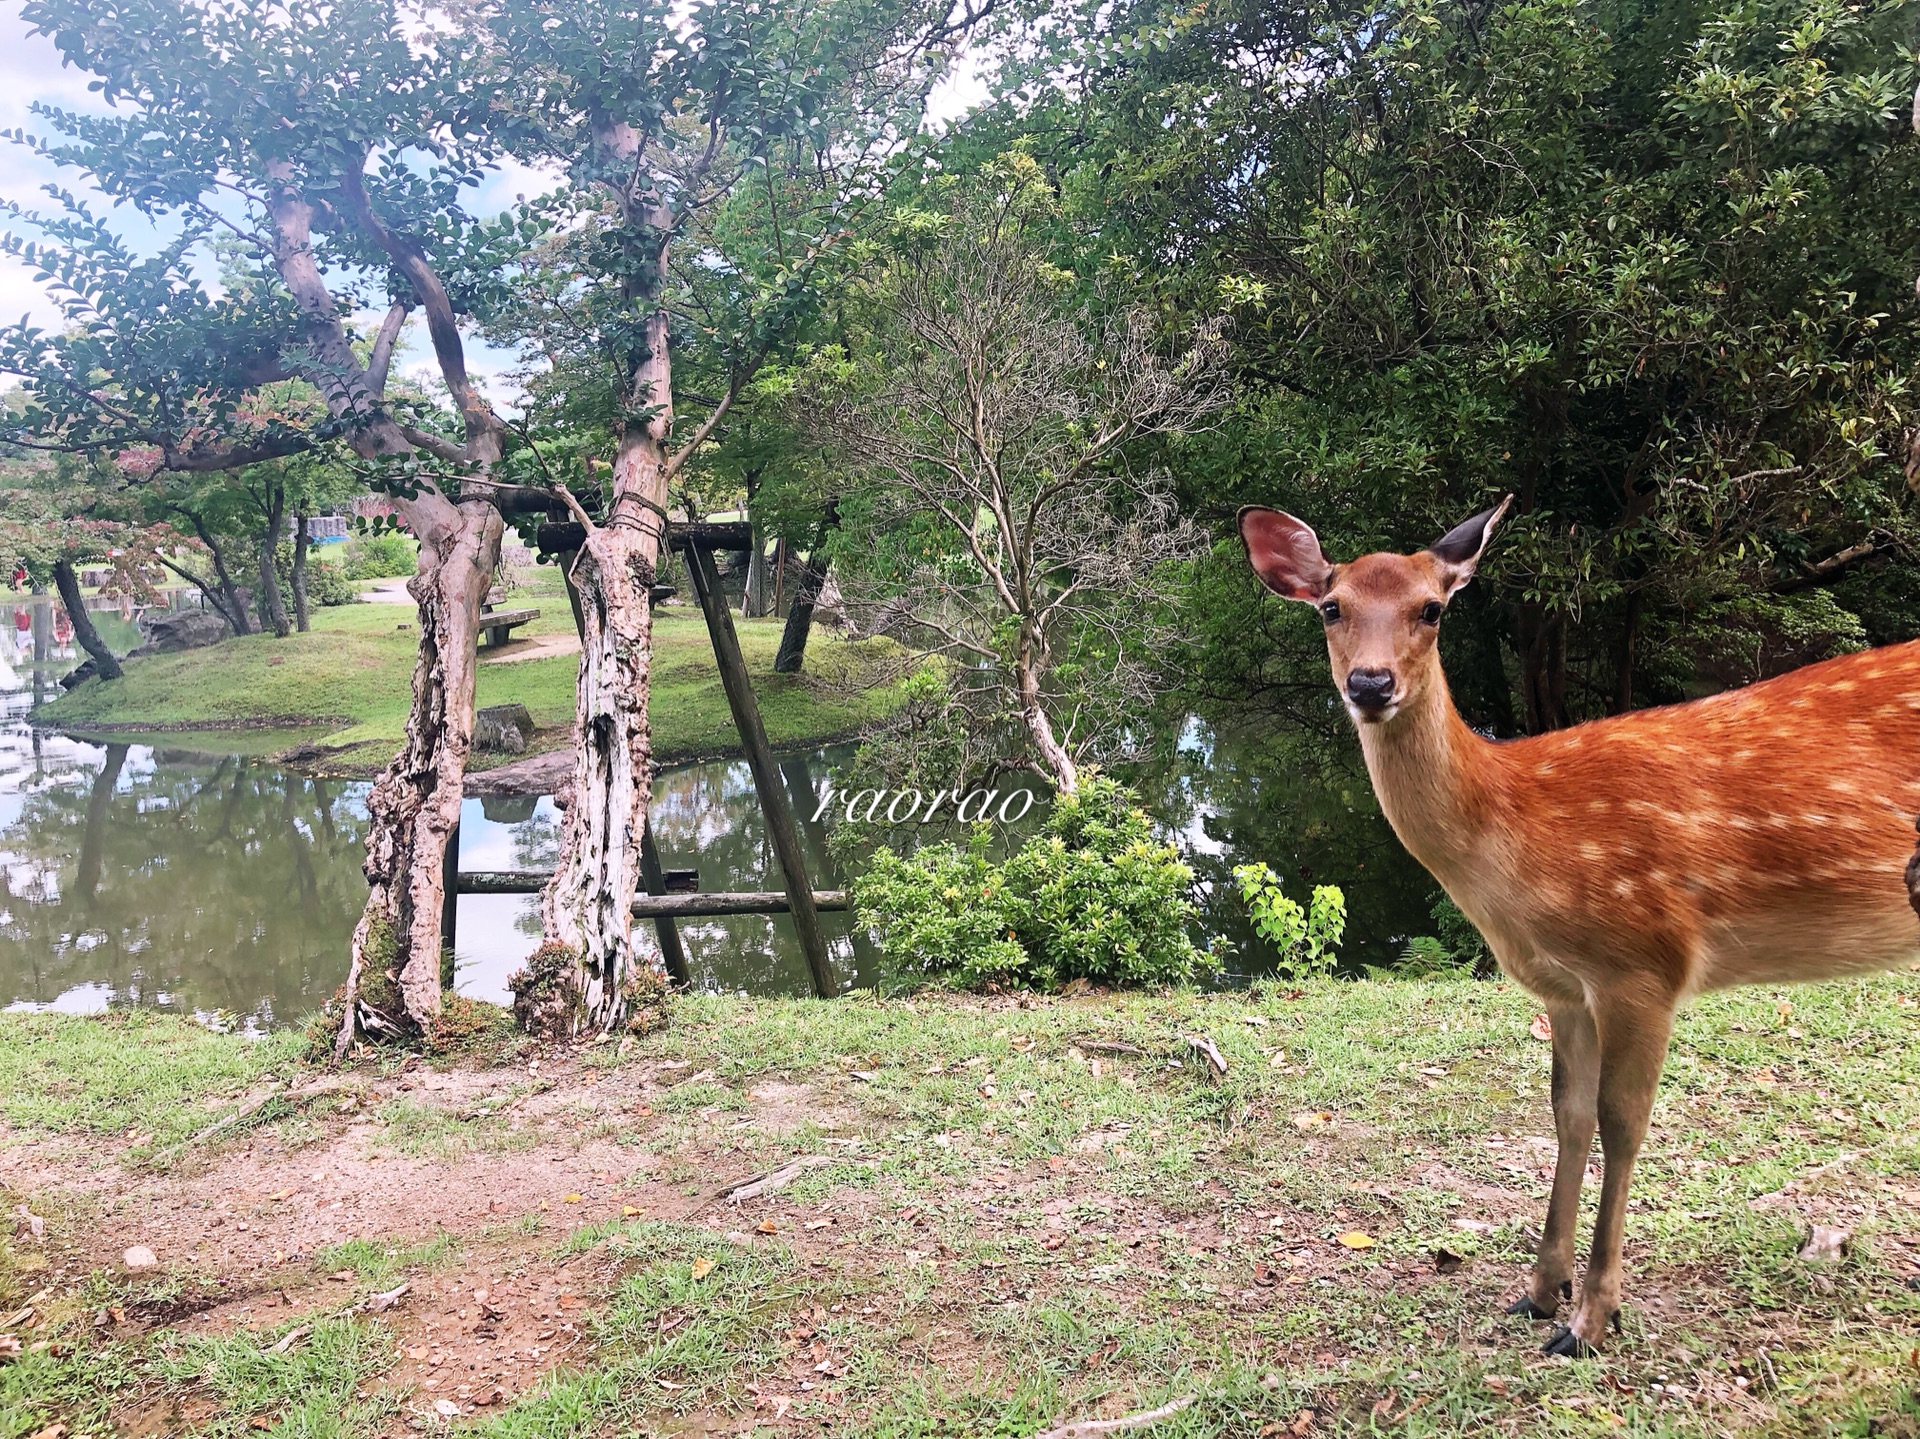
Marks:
<point>44,528</point>
<point>330,145</point>
<point>1648,266</point>
<point>1001,523</point>
<point>716,153</point>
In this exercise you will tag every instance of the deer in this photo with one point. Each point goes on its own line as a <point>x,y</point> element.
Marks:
<point>1618,868</point>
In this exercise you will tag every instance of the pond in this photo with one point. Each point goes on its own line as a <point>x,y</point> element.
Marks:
<point>184,873</point>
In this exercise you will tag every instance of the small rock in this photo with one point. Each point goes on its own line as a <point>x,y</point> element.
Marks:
<point>140,1257</point>
<point>1826,1245</point>
<point>446,1408</point>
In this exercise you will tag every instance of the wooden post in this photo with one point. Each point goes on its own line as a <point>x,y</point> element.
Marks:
<point>655,876</point>
<point>449,908</point>
<point>567,557</point>
<point>766,778</point>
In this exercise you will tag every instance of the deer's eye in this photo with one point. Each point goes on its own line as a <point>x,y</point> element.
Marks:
<point>1330,611</point>
<point>1431,611</point>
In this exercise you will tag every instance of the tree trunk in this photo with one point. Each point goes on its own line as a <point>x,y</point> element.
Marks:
<point>415,804</point>
<point>64,579</point>
<point>1541,641</point>
<point>588,905</point>
<point>753,602</point>
<point>229,603</point>
<point>273,608</point>
<point>301,543</point>
<point>793,639</point>
<point>1033,713</point>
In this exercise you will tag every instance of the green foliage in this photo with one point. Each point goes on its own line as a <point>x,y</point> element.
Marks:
<point>1308,939</point>
<point>1093,896</point>
<point>379,555</point>
<point>1454,948</point>
<point>1647,266</point>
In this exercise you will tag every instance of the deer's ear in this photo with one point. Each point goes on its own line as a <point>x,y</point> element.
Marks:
<point>1285,554</point>
<point>1460,548</point>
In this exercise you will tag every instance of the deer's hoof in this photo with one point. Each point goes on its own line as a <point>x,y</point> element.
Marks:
<point>1568,1345</point>
<point>1525,1308</point>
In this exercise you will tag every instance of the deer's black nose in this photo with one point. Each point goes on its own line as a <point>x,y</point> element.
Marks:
<point>1370,689</point>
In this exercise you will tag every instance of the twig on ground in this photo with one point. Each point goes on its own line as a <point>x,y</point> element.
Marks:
<point>776,1181</point>
<point>247,1110</point>
<point>1203,1045</point>
<point>1085,1428</point>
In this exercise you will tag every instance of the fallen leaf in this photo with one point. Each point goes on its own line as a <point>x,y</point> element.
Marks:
<point>569,1199</point>
<point>1053,1241</point>
<point>643,1111</point>
<point>1315,1120</point>
<point>767,1226</point>
<point>629,1210</point>
<point>1445,1261</point>
<point>52,1431</point>
<point>446,1408</point>
<point>702,1268</point>
<point>818,1223</point>
<point>1384,1405</point>
<point>341,1276</point>
<point>1784,1010</point>
<point>1541,1029</point>
<point>283,1194</point>
<point>1355,1239</point>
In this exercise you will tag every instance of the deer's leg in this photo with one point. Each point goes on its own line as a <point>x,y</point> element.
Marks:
<point>1633,1046</point>
<point>1576,1092</point>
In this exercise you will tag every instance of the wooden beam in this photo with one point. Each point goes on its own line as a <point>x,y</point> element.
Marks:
<point>532,881</point>
<point>558,538</point>
<point>781,828</point>
<point>723,902</point>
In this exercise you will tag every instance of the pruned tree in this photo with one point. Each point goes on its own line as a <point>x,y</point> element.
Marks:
<point>717,153</point>
<point>328,144</point>
<point>1003,522</point>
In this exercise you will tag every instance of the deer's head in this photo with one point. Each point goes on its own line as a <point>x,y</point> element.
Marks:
<point>1382,611</point>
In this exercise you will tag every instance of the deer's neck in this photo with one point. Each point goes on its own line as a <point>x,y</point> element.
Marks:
<point>1434,779</point>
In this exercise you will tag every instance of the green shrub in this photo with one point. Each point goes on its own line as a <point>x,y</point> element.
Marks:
<point>327,585</point>
<point>1093,896</point>
<point>1308,939</point>
<point>379,555</point>
<point>1457,948</point>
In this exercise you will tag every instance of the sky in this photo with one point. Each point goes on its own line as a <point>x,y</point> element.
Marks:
<point>31,71</point>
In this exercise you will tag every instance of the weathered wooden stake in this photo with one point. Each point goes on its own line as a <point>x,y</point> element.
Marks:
<point>654,875</point>
<point>449,908</point>
<point>766,778</point>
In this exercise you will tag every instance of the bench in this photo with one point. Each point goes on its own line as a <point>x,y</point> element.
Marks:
<point>497,626</point>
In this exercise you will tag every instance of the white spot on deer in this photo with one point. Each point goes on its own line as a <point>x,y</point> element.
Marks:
<point>1591,851</point>
<point>1623,887</point>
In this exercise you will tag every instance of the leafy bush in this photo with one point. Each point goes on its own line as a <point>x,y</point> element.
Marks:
<point>327,584</point>
<point>379,555</point>
<point>1457,948</point>
<point>1308,939</point>
<point>1093,896</point>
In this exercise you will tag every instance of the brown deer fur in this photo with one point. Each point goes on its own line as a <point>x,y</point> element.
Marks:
<point>1619,867</point>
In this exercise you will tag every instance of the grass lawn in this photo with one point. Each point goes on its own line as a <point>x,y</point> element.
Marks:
<point>346,685</point>
<point>1014,1212</point>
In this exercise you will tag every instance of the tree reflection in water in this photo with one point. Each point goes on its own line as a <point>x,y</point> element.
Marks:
<point>130,875</point>
<point>705,817</point>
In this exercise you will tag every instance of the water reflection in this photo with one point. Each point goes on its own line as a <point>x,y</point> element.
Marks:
<point>134,875</point>
<point>705,817</point>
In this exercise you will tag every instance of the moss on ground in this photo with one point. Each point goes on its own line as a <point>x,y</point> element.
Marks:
<point>1028,1210</point>
<point>345,687</point>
